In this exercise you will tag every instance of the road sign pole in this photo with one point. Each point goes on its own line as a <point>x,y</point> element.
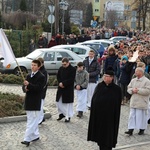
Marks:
<point>51,17</point>
<point>51,27</point>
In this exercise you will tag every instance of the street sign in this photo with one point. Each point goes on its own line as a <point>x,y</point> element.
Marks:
<point>115,23</point>
<point>51,8</point>
<point>94,24</point>
<point>51,19</point>
<point>95,17</point>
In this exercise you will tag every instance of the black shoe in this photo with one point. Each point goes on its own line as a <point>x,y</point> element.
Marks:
<point>42,121</point>
<point>89,108</point>
<point>61,116</point>
<point>80,114</point>
<point>67,120</point>
<point>141,132</point>
<point>148,121</point>
<point>35,139</point>
<point>25,143</point>
<point>129,132</point>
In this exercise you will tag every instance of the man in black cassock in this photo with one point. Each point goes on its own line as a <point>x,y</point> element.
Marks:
<point>105,113</point>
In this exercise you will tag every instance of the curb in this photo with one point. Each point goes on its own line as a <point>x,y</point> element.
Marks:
<point>49,87</point>
<point>47,115</point>
<point>132,145</point>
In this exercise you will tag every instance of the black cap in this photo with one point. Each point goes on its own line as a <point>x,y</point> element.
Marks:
<point>110,71</point>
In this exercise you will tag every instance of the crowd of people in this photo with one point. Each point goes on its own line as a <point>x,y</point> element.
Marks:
<point>86,34</point>
<point>125,68</point>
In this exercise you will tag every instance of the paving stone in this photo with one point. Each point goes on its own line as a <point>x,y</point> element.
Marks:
<point>58,135</point>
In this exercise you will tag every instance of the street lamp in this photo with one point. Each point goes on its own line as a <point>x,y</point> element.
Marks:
<point>64,6</point>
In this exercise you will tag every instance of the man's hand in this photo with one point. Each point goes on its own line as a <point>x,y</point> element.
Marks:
<point>26,83</point>
<point>78,87</point>
<point>135,90</point>
<point>61,85</point>
<point>26,88</point>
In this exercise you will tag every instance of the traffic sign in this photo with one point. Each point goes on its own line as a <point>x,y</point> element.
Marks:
<point>94,24</point>
<point>95,17</point>
<point>51,19</point>
<point>115,23</point>
<point>51,8</point>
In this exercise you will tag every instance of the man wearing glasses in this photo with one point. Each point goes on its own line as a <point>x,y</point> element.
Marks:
<point>65,92</point>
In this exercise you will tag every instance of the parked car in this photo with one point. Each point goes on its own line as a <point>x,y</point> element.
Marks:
<point>52,61</point>
<point>116,39</point>
<point>104,42</point>
<point>97,46</point>
<point>80,50</point>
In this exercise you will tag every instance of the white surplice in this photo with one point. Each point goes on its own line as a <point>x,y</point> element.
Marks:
<point>32,130</point>
<point>65,108</point>
<point>81,100</point>
<point>137,119</point>
<point>90,91</point>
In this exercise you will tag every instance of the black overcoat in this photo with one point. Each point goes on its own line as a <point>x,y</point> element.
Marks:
<point>67,77</point>
<point>105,115</point>
<point>44,72</point>
<point>34,94</point>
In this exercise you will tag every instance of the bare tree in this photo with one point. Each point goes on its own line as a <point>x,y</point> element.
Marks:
<point>111,18</point>
<point>18,19</point>
<point>143,10</point>
<point>77,4</point>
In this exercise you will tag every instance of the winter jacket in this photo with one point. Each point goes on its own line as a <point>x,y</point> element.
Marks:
<point>117,67</point>
<point>93,69</point>
<point>139,100</point>
<point>124,77</point>
<point>110,60</point>
<point>82,79</point>
<point>52,43</point>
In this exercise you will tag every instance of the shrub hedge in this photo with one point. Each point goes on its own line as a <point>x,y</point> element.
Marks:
<point>13,79</point>
<point>11,104</point>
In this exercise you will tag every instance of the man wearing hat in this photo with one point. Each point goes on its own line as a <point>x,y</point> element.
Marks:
<point>105,113</point>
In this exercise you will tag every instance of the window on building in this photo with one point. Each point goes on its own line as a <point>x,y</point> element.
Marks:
<point>126,17</point>
<point>96,10</point>
<point>96,0</point>
<point>134,13</point>
<point>127,7</point>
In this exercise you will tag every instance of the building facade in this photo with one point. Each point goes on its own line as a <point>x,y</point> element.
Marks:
<point>127,12</point>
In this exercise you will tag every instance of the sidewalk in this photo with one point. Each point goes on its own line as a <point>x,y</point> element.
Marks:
<point>56,135</point>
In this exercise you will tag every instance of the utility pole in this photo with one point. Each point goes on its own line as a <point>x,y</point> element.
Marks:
<point>13,6</point>
<point>56,16</point>
<point>33,7</point>
<point>2,5</point>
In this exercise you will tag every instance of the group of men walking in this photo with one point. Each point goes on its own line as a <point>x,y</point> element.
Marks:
<point>83,79</point>
<point>103,100</point>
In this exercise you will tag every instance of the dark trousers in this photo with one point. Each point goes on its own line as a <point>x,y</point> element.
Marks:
<point>124,90</point>
<point>105,148</point>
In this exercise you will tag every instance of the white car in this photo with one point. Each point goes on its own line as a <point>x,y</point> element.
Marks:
<point>80,50</point>
<point>104,42</point>
<point>116,39</point>
<point>52,61</point>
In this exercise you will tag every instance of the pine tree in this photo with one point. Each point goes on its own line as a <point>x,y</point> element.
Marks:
<point>23,6</point>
